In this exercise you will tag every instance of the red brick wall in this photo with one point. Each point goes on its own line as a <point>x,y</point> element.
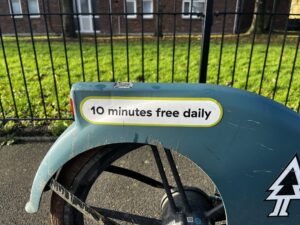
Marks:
<point>150,25</point>
<point>23,23</point>
<point>118,21</point>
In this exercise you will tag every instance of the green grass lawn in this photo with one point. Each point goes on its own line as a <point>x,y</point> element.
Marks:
<point>60,75</point>
<point>256,70</point>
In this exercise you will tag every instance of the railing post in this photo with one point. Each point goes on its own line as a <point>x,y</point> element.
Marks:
<point>207,24</point>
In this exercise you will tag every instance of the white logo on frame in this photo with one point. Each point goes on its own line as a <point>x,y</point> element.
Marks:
<point>285,188</point>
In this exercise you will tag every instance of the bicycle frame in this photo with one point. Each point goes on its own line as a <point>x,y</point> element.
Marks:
<point>244,142</point>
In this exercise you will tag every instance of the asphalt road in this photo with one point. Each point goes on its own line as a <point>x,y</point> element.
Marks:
<point>19,162</point>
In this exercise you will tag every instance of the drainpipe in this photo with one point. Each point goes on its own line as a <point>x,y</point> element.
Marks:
<point>236,18</point>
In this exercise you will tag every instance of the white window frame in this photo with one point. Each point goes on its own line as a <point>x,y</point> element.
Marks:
<point>77,8</point>
<point>148,16</point>
<point>135,9</point>
<point>190,9</point>
<point>38,7</point>
<point>11,11</point>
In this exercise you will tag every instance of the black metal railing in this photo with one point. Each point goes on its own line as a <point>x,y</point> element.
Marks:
<point>235,43</point>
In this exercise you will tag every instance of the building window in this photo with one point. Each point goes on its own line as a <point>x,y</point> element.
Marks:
<point>192,6</point>
<point>295,9</point>
<point>15,8</point>
<point>148,8</point>
<point>33,8</point>
<point>130,8</point>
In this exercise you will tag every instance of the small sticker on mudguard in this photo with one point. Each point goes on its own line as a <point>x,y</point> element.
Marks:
<point>151,111</point>
<point>285,188</point>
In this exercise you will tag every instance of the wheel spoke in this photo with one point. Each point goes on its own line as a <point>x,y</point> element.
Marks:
<point>79,205</point>
<point>178,181</point>
<point>135,175</point>
<point>128,217</point>
<point>217,213</point>
<point>164,178</point>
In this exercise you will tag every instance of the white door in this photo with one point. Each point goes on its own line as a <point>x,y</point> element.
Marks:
<point>85,21</point>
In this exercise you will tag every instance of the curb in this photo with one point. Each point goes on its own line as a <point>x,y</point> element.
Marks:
<point>29,139</point>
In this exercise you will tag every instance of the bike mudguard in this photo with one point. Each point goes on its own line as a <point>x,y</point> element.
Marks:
<point>248,145</point>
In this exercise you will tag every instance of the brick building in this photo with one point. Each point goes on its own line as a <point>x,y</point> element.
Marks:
<point>43,16</point>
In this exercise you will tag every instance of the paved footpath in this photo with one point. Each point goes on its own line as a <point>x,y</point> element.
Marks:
<point>19,162</point>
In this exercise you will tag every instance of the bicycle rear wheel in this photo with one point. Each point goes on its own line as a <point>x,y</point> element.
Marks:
<point>134,184</point>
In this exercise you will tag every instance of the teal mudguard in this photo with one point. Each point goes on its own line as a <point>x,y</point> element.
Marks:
<point>247,144</point>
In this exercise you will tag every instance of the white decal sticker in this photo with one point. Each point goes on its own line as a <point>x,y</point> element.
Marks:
<point>139,111</point>
<point>285,188</point>
<point>190,219</point>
